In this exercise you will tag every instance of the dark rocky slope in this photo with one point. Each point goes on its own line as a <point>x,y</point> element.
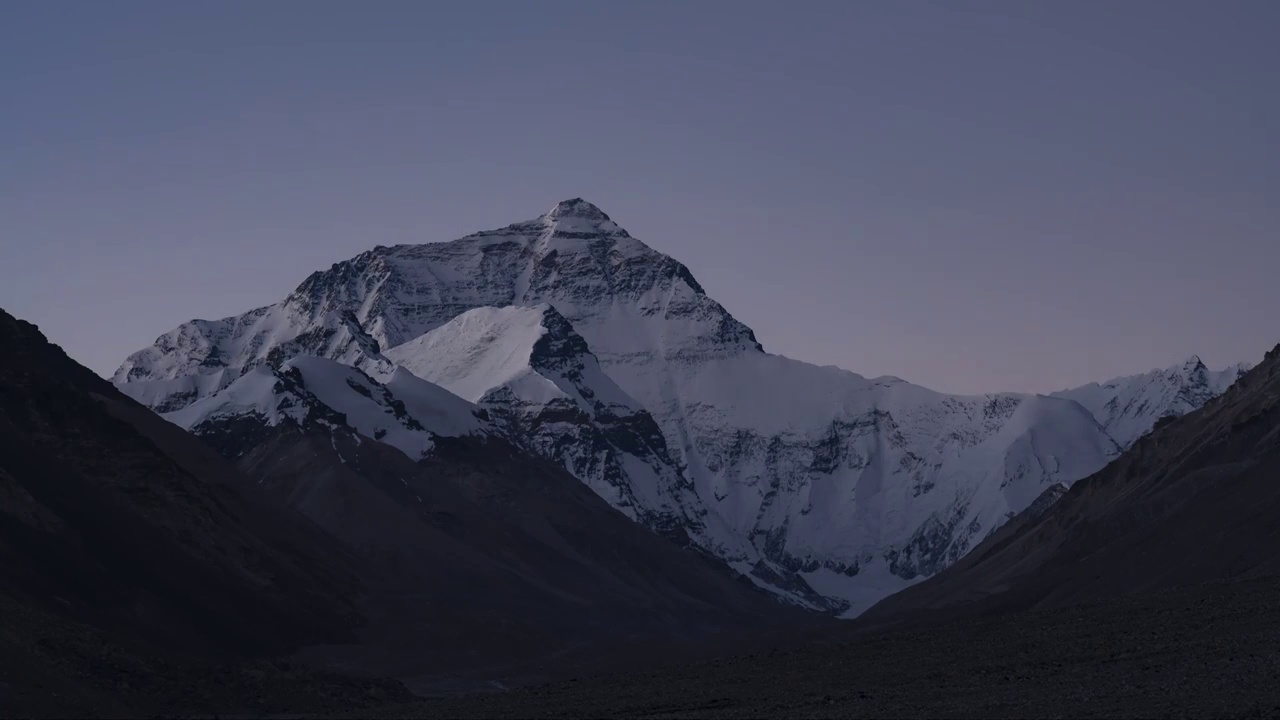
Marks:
<point>125,547</point>
<point>1209,651</point>
<point>102,521</point>
<point>495,568</point>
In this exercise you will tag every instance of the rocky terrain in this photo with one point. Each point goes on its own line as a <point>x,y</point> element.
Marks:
<point>1200,652</point>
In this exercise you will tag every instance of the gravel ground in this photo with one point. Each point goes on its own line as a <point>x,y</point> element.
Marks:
<point>52,667</point>
<point>1211,651</point>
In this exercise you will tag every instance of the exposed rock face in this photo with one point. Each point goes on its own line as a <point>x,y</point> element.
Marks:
<point>1051,495</point>
<point>855,487</point>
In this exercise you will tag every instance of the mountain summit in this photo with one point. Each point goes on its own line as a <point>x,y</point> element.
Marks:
<point>826,487</point>
<point>579,209</point>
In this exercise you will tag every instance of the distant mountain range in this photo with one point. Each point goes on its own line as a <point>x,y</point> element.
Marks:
<point>568,339</point>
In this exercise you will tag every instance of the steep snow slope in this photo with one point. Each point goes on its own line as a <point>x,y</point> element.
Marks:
<point>406,413</point>
<point>859,485</point>
<point>481,350</point>
<point>485,349</point>
<point>538,379</point>
<point>1128,407</point>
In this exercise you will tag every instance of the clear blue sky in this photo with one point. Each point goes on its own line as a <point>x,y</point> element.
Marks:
<point>971,195</point>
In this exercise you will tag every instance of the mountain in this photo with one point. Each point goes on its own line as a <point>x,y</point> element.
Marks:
<point>1194,501</point>
<point>367,527</point>
<point>814,481</point>
<point>1128,407</point>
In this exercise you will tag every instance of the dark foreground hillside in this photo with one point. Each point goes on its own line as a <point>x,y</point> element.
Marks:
<point>52,666</point>
<point>1208,651</point>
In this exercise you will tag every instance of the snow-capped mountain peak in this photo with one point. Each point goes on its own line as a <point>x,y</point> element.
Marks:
<point>588,347</point>
<point>584,215</point>
<point>574,257</point>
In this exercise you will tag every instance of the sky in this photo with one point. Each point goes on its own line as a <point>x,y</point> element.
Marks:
<point>973,196</point>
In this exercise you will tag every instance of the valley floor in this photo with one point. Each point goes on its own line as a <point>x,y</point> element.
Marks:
<point>1209,651</point>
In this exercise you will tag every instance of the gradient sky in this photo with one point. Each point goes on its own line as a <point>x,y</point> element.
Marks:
<point>974,196</point>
